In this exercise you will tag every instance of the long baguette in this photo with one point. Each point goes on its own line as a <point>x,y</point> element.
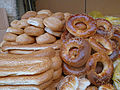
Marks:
<point>16,61</point>
<point>48,52</point>
<point>29,69</point>
<point>33,47</point>
<point>26,87</point>
<point>27,80</point>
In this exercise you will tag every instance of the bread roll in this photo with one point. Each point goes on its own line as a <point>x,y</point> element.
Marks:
<point>45,39</point>
<point>10,37</point>
<point>33,31</point>
<point>25,39</point>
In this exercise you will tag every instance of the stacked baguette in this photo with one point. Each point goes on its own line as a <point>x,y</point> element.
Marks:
<point>35,71</point>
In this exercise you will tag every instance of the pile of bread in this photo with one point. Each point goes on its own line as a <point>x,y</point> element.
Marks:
<point>35,71</point>
<point>32,53</point>
<point>40,28</point>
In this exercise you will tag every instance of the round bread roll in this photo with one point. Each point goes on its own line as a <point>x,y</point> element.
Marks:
<point>15,30</point>
<point>45,39</point>
<point>10,37</point>
<point>48,12</point>
<point>29,14</point>
<point>19,23</point>
<point>69,82</point>
<point>66,15</point>
<point>57,34</point>
<point>25,39</point>
<point>22,23</point>
<point>53,23</point>
<point>38,22</point>
<point>58,15</point>
<point>33,31</point>
<point>14,23</point>
<point>42,16</point>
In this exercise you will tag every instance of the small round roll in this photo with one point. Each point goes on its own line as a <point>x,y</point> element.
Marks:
<point>57,34</point>
<point>29,14</point>
<point>15,30</point>
<point>19,23</point>
<point>10,37</point>
<point>14,23</point>
<point>45,39</point>
<point>58,15</point>
<point>33,31</point>
<point>25,39</point>
<point>53,23</point>
<point>38,22</point>
<point>42,16</point>
<point>48,12</point>
<point>67,15</point>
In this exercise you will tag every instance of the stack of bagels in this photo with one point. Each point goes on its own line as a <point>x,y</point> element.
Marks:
<point>49,51</point>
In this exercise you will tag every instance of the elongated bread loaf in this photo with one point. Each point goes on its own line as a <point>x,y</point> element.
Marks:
<point>27,80</point>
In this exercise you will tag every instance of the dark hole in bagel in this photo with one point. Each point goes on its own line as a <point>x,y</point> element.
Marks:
<point>99,67</point>
<point>73,52</point>
<point>81,25</point>
<point>101,28</point>
<point>93,51</point>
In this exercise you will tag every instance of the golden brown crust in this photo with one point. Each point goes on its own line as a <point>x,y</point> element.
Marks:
<point>29,14</point>
<point>25,39</point>
<point>58,15</point>
<point>28,69</point>
<point>19,52</point>
<point>106,87</point>
<point>57,74</point>
<point>101,44</point>
<point>10,37</point>
<point>66,36</point>
<point>92,88</point>
<point>19,23</point>
<point>8,60</point>
<point>34,47</point>
<point>45,39</point>
<point>69,82</point>
<point>56,62</point>
<point>57,34</point>
<point>4,43</point>
<point>33,31</point>
<point>106,74</point>
<point>48,12</point>
<point>48,52</point>
<point>27,80</point>
<point>104,28</point>
<point>73,52</point>
<point>15,30</point>
<point>79,71</point>
<point>87,21</point>
<point>42,16</point>
<point>26,87</point>
<point>53,23</point>
<point>38,22</point>
<point>66,16</point>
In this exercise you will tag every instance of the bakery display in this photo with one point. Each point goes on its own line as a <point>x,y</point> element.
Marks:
<point>48,51</point>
